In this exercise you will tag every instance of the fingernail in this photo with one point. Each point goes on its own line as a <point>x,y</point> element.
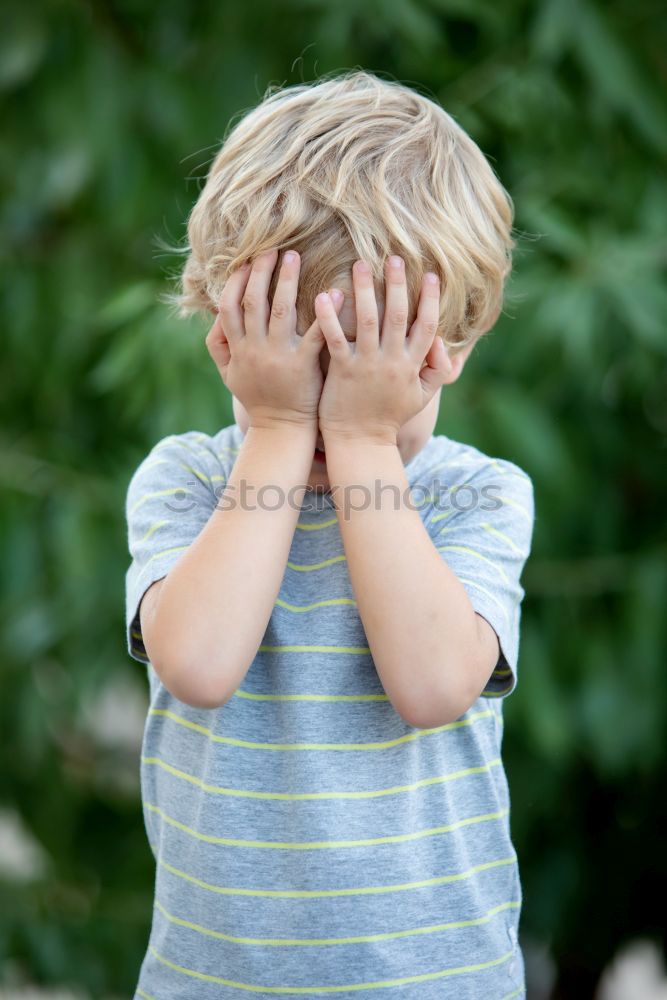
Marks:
<point>322,298</point>
<point>290,256</point>
<point>394,261</point>
<point>336,294</point>
<point>432,278</point>
<point>363,267</point>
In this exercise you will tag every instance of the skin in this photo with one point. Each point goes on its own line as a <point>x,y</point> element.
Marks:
<point>415,431</point>
<point>372,405</point>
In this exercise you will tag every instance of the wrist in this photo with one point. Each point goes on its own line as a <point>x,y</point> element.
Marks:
<point>284,434</point>
<point>284,425</point>
<point>356,435</point>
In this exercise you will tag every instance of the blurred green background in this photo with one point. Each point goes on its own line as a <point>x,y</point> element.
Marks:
<point>112,112</point>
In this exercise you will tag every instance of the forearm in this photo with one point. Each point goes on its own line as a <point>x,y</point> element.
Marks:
<point>215,604</point>
<point>420,625</point>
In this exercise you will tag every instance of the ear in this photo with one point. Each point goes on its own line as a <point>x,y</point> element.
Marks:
<point>457,360</point>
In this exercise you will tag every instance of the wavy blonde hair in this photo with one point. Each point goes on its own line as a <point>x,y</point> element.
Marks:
<point>354,166</point>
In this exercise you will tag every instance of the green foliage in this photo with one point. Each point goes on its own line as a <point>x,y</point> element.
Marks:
<point>112,112</point>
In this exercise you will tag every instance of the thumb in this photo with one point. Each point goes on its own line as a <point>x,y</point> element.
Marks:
<point>218,345</point>
<point>438,366</point>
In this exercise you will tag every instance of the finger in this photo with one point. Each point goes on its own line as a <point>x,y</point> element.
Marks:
<point>395,320</point>
<point>218,345</point>
<point>438,366</point>
<point>282,321</point>
<point>368,336</point>
<point>313,338</point>
<point>230,303</point>
<point>339,349</point>
<point>425,326</point>
<point>255,300</point>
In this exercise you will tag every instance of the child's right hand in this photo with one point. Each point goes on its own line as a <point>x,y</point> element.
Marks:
<point>272,371</point>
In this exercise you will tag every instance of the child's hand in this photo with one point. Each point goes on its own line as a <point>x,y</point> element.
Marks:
<point>374,386</point>
<point>271,370</point>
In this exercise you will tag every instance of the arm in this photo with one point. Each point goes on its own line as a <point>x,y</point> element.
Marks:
<point>213,607</point>
<point>429,647</point>
<point>204,626</point>
<point>433,653</point>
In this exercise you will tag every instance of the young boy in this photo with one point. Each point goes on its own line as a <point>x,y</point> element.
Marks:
<point>326,594</point>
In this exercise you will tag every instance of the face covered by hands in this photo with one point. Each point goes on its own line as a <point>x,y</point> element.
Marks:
<point>384,387</point>
<point>376,385</point>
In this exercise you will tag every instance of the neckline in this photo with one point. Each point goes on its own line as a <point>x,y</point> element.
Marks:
<point>318,501</point>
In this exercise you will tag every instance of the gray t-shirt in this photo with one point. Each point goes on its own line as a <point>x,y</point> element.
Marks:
<point>309,841</point>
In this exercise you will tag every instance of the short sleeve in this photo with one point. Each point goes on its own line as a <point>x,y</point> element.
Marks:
<point>483,528</point>
<point>169,499</point>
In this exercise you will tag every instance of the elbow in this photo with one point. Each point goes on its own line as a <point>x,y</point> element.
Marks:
<point>433,710</point>
<point>199,697</point>
<point>431,716</point>
<point>192,688</point>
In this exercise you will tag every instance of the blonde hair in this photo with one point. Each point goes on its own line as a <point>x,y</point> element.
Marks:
<point>354,166</point>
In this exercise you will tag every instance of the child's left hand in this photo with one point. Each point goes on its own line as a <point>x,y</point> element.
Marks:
<point>377,384</point>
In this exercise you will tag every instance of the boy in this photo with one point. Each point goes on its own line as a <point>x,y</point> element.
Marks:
<point>326,594</point>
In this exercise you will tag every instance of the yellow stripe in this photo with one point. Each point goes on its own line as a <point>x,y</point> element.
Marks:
<point>171,441</point>
<point>466,482</point>
<point>472,460</point>
<point>279,602</point>
<point>474,583</point>
<point>153,527</point>
<point>453,491</point>
<point>224,452</point>
<point>505,538</point>
<point>146,996</point>
<point>320,565</point>
<point>330,989</point>
<point>165,552</point>
<point>326,893</point>
<point>314,649</point>
<point>159,493</point>
<point>517,475</point>
<point>466,548</point>
<point>317,604</point>
<point>317,527</point>
<point>307,796</point>
<point>465,527</point>
<point>439,517</point>
<point>312,845</point>
<point>251,696</point>
<point>318,942</point>
<point>513,503</point>
<point>157,461</point>
<point>200,475</point>
<point>407,738</point>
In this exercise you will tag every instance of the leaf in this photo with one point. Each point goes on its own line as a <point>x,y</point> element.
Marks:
<point>615,74</point>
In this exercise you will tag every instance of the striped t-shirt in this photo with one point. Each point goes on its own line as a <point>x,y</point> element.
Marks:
<point>308,840</point>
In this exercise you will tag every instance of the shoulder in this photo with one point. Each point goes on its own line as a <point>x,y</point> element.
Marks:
<point>194,450</point>
<point>192,462</point>
<point>463,477</point>
<point>455,459</point>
